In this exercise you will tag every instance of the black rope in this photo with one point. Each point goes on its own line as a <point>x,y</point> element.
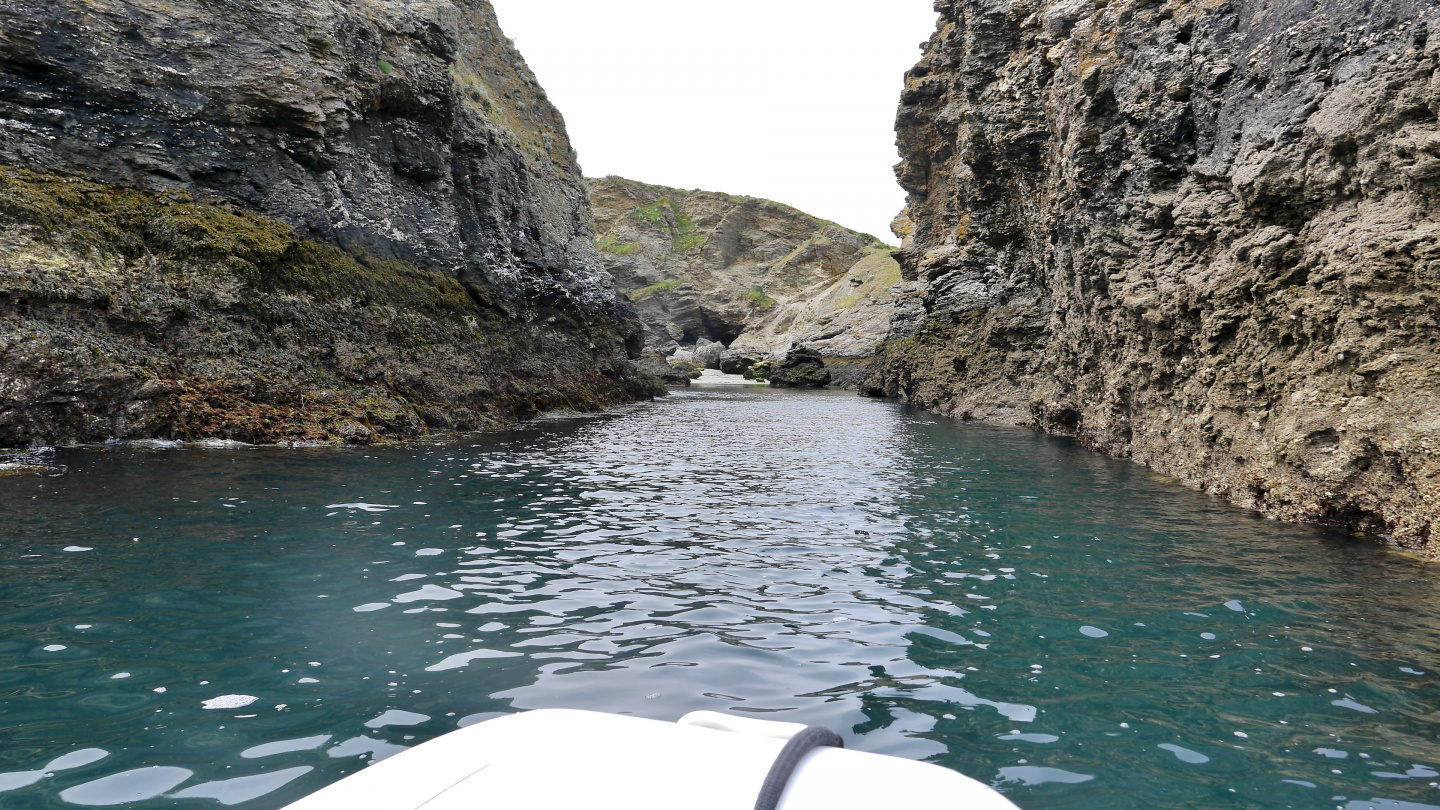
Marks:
<point>784,766</point>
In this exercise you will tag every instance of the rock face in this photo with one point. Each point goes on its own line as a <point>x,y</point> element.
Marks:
<point>754,276</point>
<point>301,208</point>
<point>801,368</point>
<point>1203,235</point>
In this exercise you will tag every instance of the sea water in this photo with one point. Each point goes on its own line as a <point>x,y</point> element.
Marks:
<point>241,626</point>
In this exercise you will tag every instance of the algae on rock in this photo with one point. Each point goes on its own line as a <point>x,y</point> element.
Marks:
<point>310,221</point>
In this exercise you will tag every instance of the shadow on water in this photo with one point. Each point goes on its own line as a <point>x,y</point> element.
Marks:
<point>245,625</point>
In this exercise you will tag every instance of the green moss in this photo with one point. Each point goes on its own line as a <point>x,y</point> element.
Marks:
<point>757,298</point>
<point>262,253</point>
<point>610,245</point>
<point>259,334</point>
<point>385,67</point>
<point>664,286</point>
<point>760,372</point>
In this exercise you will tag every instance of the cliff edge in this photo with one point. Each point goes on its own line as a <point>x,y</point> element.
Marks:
<point>316,220</point>
<point>1203,235</point>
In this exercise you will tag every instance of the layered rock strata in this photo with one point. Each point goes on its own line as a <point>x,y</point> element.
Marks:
<point>1202,235</point>
<point>315,220</point>
<point>719,279</point>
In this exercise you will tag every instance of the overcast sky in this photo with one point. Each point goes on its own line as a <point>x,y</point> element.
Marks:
<point>793,100</point>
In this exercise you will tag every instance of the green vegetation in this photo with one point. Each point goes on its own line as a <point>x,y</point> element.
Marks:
<point>478,93</point>
<point>617,247</point>
<point>654,213</point>
<point>385,67</point>
<point>683,224</point>
<point>760,372</point>
<point>664,286</point>
<point>691,242</point>
<point>758,298</point>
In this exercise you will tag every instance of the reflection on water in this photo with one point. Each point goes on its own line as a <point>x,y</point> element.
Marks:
<point>241,627</point>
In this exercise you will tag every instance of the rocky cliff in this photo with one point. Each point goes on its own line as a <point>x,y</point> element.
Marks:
<point>709,273</point>
<point>307,220</point>
<point>1201,234</point>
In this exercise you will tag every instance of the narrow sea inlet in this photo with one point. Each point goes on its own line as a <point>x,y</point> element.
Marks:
<point>240,627</point>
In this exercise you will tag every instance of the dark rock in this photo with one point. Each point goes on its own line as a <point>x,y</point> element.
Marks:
<point>732,362</point>
<point>801,368</point>
<point>214,211</point>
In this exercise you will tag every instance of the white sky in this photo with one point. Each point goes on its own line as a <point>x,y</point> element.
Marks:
<point>793,100</point>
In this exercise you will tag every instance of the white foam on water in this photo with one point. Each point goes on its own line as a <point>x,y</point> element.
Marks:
<point>77,549</point>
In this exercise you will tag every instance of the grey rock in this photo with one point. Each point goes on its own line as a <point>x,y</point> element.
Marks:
<point>409,129</point>
<point>1205,236</point>
<point>733,362</point>
<point>708,353</point>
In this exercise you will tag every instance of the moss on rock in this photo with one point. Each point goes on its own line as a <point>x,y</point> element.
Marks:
<point>126,314</point>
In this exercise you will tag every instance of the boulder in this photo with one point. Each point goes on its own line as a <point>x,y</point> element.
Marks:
<point>801,368</point>
<point>660,367</point>
<point>733,362</point>
<point>708,353</point>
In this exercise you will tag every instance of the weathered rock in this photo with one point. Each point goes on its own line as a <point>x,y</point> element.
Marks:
<point>733,362</point>
<point>302,216</point>
<point>753,275</point>
<point>708,353</point>
<point>801,368</point>
<point>1205,236</point>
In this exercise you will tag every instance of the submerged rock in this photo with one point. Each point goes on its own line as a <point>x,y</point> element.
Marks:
<point>1200,235</point>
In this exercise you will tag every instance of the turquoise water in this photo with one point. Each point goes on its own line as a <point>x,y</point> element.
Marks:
<point>1068,627</point>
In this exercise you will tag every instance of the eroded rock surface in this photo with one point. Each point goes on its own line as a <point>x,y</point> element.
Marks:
<point>320,219</point>
<point>757,277</point>
<point>1203,235</point>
